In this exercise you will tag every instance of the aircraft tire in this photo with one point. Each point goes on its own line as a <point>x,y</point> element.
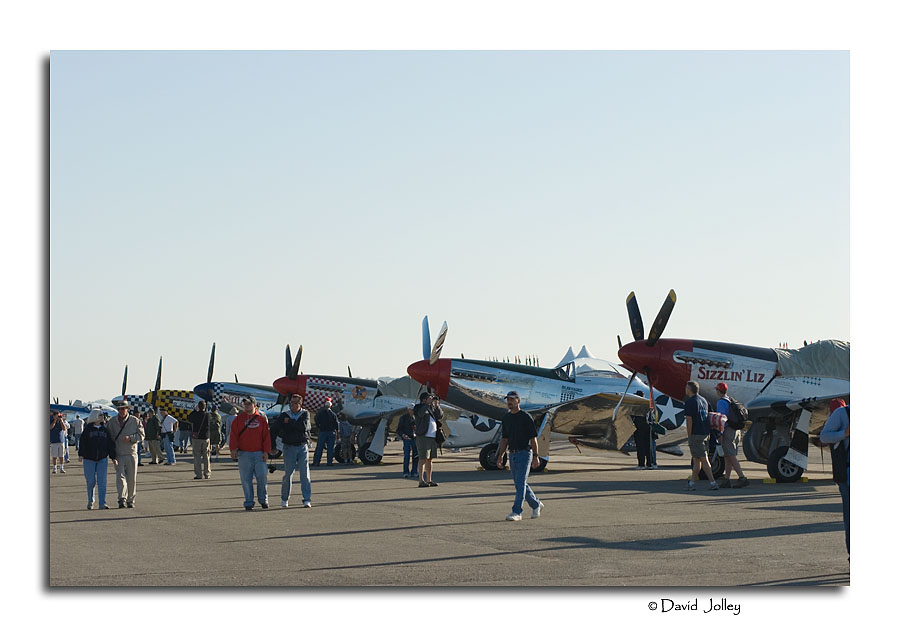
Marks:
<point>780,469</point>
<point>717,464</point>
<point>488,456</point>
<point>338,454</point>
<point>368,458</point>
<point>750,442</point>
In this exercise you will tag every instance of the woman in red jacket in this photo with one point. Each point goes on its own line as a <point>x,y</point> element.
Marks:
<point>250,444</point>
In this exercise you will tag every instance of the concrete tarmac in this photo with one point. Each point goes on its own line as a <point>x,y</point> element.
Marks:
<point>604,524</point>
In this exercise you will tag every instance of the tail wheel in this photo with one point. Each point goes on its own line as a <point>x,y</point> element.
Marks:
<point>717,464</point>
<point>367,456</point>
<point>488,456</point>
<point>780,469</point>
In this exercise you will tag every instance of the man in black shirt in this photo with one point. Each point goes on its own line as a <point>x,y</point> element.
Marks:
<point>327,423</point>
<point>519,433</point>
<point>199,420</point>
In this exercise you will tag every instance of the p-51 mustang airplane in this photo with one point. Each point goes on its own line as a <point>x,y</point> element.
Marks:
<point>79,408</point>
<point>178,403</point>
<point>786,391</point>
<point>360,400</point>
<point>577,398</point>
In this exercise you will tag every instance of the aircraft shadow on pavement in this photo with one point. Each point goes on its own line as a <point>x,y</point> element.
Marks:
<point>312,535</point>
<point>648,545</point>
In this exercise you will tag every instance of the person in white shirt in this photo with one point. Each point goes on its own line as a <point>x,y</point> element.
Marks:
<point>168,427</point>
<point>77,430</point>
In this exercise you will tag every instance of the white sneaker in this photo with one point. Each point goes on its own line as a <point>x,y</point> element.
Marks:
<point>307,504</point>
<point>54,470</point>
<point>513,517</point>
<point>284,504</point>
<point>62,470</point>
<point>537,511</point>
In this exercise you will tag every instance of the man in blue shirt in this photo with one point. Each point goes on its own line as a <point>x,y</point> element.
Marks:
<point>837,432</point>
<point>723,406</point>
<point>696,417</point>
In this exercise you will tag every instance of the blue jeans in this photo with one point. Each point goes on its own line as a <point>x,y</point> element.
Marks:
<point>845,499</point>
<point>251,463</point>
<point>520,466</point>
<point>184,438</point>
<point>77,437</point>
<point>326,438</point>
<point>167,445</point>
<point>409,448</point>
<point>296,458</point>
<point>95,475</point>
<point>653,452</point>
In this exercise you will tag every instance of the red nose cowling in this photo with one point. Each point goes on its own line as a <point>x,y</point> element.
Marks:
<point>287,386</point>
<point>666,374</point>
<point>436,375</point>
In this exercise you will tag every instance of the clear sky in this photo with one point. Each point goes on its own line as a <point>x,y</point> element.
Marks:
<point>334,199</point>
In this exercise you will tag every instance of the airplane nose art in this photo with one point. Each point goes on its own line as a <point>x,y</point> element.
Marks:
<point>436,375</point>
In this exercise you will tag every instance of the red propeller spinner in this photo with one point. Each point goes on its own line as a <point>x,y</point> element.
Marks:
<point>436,376</point>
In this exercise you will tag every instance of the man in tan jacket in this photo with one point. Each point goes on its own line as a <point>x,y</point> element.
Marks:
<point>126,431</point>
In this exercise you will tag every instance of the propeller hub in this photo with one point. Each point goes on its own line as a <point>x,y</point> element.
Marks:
<point>666,373</point>
<point>436,375</point>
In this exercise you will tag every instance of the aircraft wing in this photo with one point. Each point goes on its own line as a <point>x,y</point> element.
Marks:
<point>764,406</point>
<point>592,416</point>
<point>372,418</point>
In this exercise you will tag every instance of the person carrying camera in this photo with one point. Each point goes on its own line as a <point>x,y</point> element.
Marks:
<point>429,417</point>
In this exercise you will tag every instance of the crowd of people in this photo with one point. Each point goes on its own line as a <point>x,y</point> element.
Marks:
<point>250,439</point>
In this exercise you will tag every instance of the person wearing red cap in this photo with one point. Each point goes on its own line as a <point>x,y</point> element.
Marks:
<point>723,406</point>
<point>837,433</point>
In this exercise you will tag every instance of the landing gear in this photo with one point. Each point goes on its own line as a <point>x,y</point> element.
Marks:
<point>368,457</point>
<point>780,469</point>
<point>717,464</point>
<point>488,456</point>
<point>339,456</point>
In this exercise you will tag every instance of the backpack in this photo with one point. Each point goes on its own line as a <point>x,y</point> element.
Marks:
<point>737,414</point>
<point>840,459</point>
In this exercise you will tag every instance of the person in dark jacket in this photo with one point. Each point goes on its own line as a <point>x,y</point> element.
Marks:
<point>294,430</point>
<point>199,420</point>
<point>152,430</point>
<point>406,429</point>
<point>327,423</point>
<point>95,449</point>
<point>215,430</point>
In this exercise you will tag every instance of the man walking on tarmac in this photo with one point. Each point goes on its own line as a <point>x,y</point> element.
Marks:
<point>696,418</point>
<point>327,423</point>
<point>723,406</point>
<point>250,445</point>
<point>518,432</point>
<point>126,431</point>
<point>294,430</point>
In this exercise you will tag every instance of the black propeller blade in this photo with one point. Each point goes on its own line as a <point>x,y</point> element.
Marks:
<point>349,375</point>
<point>158,383</point>
<point>236,381</point>
<point>287,360</point>
<point>661,318</point>
<point>295,370</point>
<point>634,317</point>
<point>212,363</point>
<point>619,340</point>
<point>125,380</point>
